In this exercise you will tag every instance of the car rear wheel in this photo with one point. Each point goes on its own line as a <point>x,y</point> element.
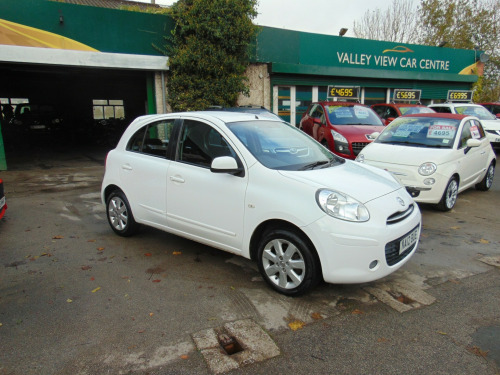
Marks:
<point>119,214</point>
<point>287,262</point>
<point>487,180</point>
<point>449,197</point>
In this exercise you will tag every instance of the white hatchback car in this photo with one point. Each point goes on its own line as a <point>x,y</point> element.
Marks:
<point>490,122</point>
<point>436,156</point>
<point>262,189</point>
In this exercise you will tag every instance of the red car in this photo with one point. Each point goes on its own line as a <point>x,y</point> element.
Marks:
<point>3,205</point>
<point>389,111</point>
<point>493,107</point>
<point>345,128</point>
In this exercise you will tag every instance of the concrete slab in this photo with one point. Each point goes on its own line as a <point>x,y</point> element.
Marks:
<point>255,343</point>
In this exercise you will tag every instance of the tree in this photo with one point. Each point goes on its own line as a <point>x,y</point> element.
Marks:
<point>397,23</point>
<point>467,24</point>
<point>208,52</point>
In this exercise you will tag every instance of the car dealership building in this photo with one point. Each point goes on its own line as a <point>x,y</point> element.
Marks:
<point>99,61</point>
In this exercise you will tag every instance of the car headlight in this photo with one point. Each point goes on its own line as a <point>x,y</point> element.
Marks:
<point>427,169</point>
<point>360,158</point>
<point>338,137</point>
<point>341,206</point>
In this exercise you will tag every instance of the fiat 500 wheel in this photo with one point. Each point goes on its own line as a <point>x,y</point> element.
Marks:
<point>119,214</point>
<point>487,180</point>
<point>287,262</point>
<point>449,196</point>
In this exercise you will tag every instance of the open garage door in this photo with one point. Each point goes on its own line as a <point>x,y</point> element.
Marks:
<point>60,108</point>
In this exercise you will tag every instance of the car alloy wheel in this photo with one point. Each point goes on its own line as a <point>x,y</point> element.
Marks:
<point>487,180</point>
<point>286,263</point>
<point>449,196</point>
<point>119,214</point>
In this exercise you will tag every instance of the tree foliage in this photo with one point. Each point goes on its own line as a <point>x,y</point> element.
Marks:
<point>208,52</point>
<point>466,24</point>
<point>397,23</point>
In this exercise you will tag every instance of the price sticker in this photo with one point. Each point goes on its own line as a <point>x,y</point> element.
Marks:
<point>441,131</point>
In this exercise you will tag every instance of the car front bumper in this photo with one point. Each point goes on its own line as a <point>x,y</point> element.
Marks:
<point>363,252</point>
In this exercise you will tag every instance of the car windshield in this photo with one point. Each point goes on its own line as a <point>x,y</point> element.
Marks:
<point>278,145</point>
<point>352,115</point>
<point>420,132</point>
<point>414,110</point>
<point>478,111</point>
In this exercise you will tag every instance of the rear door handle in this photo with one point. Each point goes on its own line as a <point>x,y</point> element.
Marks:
<point>177,179</point>
<point>127,167</point>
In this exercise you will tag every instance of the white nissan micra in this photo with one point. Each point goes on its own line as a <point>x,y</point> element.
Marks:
<point>262,189</point>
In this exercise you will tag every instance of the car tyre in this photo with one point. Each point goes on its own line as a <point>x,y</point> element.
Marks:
<point>487,180</point>
<point>449,197</point>
<point>119,214</point>
<point>288,262</point>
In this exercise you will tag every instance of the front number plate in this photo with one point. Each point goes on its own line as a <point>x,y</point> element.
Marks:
<point>408,241</point>
<point>2,202</point>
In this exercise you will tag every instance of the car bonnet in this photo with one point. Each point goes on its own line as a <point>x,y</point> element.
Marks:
<point>406,155</point>
<point>361,182</point>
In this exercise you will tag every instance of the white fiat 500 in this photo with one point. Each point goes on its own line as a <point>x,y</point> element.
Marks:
<point>436,156</point>
<point>262,189</point>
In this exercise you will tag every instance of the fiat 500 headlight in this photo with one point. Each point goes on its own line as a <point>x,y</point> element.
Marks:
<point>341,206</point>
<point>427,169</point>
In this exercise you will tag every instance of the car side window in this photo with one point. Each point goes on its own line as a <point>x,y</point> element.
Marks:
<point>135,142</point>
<point>442,109</point>
<point>480,129</point>
<point>380,109</point>
<point>469,131</point>
<point>200,144</point>
<point>157,138</point>
<point>391,112</point>
<point>152,139</point>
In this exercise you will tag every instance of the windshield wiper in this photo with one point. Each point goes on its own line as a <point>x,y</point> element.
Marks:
<point>405,143</point>
<point>314,165</point>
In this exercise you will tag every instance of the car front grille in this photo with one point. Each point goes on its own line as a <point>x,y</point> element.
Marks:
<point>392,255</point>
<point>400,216</point>
<point>358,146</point>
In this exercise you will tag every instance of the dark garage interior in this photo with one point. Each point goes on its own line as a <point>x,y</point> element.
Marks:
<point>67,109</point>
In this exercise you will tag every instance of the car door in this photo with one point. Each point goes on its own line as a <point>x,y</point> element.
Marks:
<point>144,172</point>
<point>474,160</point>
<point>204,205</point>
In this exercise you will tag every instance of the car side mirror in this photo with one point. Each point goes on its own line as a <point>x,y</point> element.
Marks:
<point>225,164</point>
<point>473,143</point>
<point>390,119</point>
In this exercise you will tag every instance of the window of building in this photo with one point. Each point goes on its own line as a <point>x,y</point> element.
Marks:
<point>106,109</point>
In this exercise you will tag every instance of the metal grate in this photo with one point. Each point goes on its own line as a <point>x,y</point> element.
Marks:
<point>358,146</point>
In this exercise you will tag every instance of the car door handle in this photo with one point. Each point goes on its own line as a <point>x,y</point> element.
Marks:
<point>177,179</point>
<point>127,167</point>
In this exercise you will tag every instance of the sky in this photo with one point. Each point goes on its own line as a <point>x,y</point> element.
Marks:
<point>314,16</point>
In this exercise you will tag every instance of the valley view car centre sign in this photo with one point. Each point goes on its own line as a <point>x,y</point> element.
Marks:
<point>318,54</point>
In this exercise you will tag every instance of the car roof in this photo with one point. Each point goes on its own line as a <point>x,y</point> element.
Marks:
<point>453,116</point>
<point>401,104</point>
<point>226,116</point>
<point>346,104</point>
<point>455,104</point>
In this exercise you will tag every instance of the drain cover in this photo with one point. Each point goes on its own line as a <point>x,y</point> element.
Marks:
<point>234,345</point>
